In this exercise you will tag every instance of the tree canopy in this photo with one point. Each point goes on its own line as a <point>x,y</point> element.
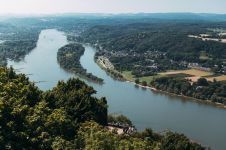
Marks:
<point>67,117</point>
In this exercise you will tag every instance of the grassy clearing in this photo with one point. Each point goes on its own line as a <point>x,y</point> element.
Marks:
<point>128,76</point>
<point>218,78</point>
<point>148,79</point>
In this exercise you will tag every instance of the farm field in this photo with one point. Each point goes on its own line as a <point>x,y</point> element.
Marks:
<point>191,72</point>
<point>194,75</point>
<point>217,78</point>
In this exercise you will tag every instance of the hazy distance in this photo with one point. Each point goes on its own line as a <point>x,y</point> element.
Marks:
<point>110,6</point>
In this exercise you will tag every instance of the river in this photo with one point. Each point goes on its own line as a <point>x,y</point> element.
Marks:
<point>201,122</point>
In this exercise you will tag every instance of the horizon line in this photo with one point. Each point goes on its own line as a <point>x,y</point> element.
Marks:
<point>103,13</point>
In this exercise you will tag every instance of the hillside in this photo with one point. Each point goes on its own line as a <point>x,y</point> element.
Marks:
<point>66,117</point>
<point>161,46</point>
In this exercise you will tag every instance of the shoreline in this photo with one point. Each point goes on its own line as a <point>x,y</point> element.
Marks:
<point>110,71</point>
<point>66,55</point>
<point>218,105</point>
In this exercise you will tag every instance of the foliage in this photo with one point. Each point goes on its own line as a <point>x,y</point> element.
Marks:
<point>119,119</point>
<point>17,43</point>
<point>97,137</point>
<point>94,136</point>
<point>148,48</point>
<point>202,89</point>
<point>137,81</point>
<point>144,83</point>
<point>76,97</point>
<point>41,120</point>
<point>66,117</point>
<point>172,141</point>
<point>68,57</point>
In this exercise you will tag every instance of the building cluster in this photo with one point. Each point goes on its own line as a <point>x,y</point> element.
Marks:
<point>122,128</point>
<point>198,67</point>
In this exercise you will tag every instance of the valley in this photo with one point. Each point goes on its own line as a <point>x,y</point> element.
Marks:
<point>118,52</point>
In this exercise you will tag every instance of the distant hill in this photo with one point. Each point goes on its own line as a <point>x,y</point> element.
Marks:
<point>176,16</point>
<point>163,16</point>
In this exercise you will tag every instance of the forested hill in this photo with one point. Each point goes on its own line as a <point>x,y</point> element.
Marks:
<point>166,37</point>
<point>32,119</point>
<point>16,42</point>
<point>66,117</point>
<point>165,45</point>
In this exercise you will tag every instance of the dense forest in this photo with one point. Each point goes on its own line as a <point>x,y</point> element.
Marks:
<point>16,42</point>
<point>66,117</point>
<point>68,57</point>
<point>202,89</point>
<point>147,48</point>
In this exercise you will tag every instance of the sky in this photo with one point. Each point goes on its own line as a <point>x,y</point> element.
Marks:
<point>111,6</point>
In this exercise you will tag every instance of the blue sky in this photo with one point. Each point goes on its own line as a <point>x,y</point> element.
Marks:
<point>110,6</point>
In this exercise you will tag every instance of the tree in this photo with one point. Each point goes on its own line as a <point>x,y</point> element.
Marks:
<point>11,73</point>
<point>76,97</point>
<point>175,141</point>
<point>137,81</point>
<point>121,119</point>
<point>144,83</point>
<point>66,117</point>
<point>44,120</point>
<point>202,82</point>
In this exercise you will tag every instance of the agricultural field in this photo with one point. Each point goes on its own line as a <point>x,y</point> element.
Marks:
<point>217,78</point>
<point>194,75</point>
<point>191,72</point>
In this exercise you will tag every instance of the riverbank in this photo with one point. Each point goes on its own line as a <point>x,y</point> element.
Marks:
<point>145,109</point>
<point>68,58</point>
<point>219,105</point>
<point>106,65</point>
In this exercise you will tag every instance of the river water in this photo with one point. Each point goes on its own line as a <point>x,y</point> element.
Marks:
<point>201,122</point>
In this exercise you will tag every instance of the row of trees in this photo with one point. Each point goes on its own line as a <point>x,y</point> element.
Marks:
<point>143,83</point>
<point>202,89</point>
